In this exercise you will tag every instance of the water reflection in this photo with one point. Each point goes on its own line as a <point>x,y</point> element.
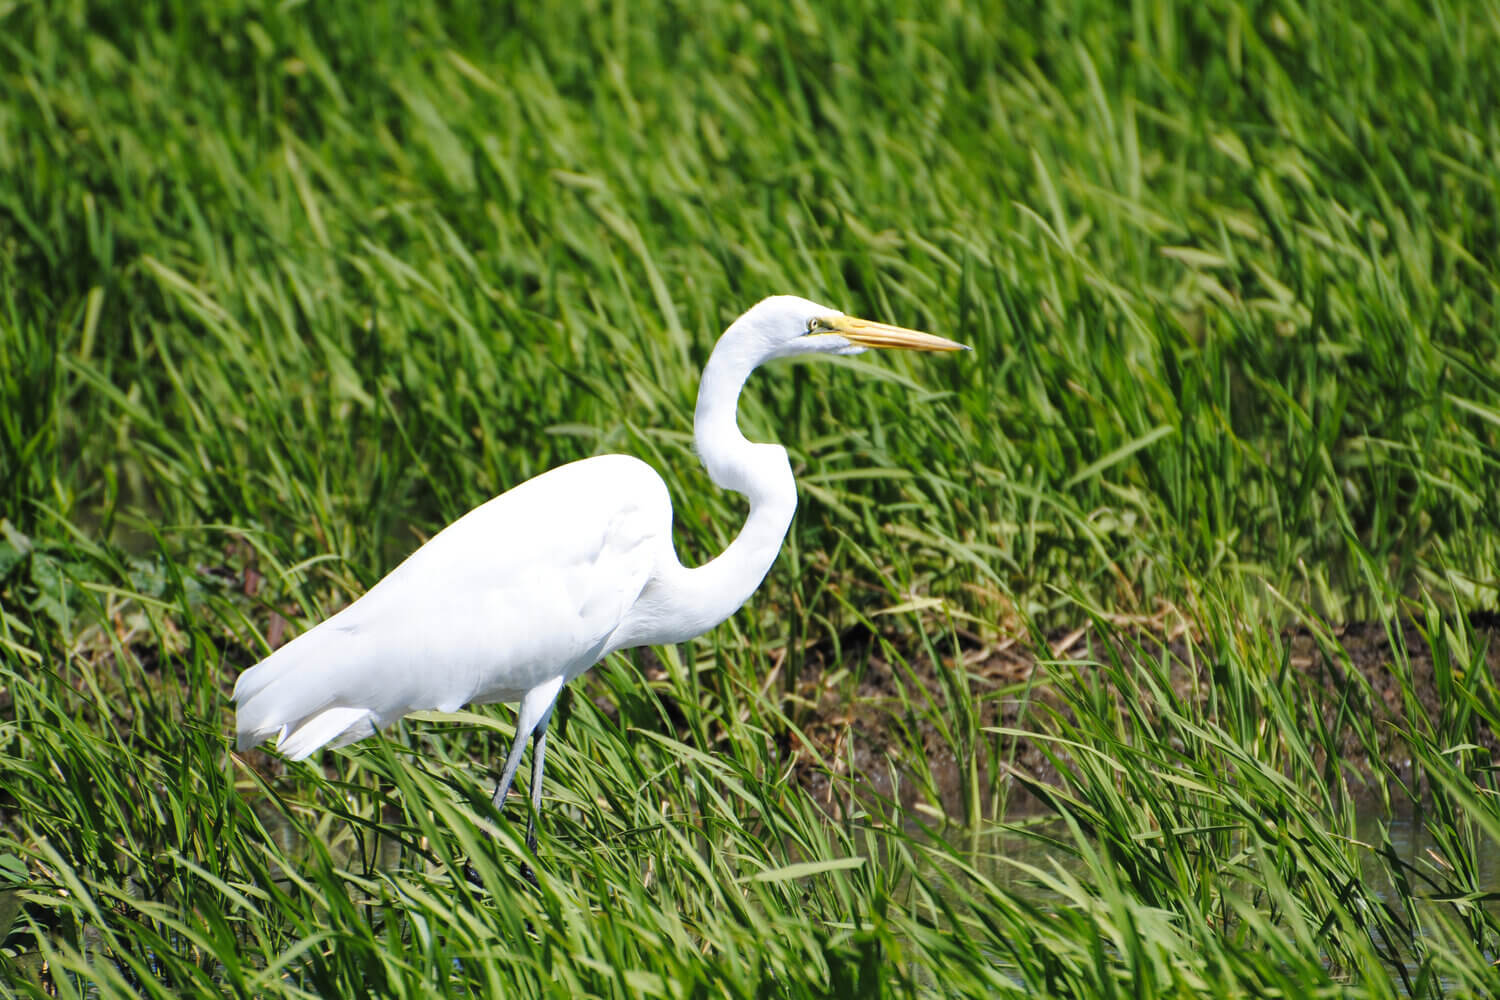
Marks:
<point>363,847</point>
<point>1401,842</point>
<point>1402,864</point>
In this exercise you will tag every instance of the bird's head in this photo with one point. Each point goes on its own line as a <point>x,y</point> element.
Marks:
<point>786,325</point>
<point>779,327</point>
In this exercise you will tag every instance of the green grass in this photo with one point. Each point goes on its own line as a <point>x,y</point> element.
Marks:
<point>285,288</point>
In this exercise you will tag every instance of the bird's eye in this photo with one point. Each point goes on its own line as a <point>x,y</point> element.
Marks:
<point>815,325</point>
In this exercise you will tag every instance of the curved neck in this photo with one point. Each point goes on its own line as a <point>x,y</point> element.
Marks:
<point>688,602</point>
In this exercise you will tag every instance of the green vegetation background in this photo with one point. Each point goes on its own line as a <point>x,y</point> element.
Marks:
<point>284,288</point>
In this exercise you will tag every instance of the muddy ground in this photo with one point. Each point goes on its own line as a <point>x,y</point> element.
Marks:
<point>863,735</point>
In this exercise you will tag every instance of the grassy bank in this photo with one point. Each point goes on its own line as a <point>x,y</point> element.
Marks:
<point>283,290</point>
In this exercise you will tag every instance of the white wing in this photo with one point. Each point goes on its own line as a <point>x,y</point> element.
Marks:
<point>522,590</point>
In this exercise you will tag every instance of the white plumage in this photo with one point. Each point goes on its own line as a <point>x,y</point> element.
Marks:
<point>529,590</point>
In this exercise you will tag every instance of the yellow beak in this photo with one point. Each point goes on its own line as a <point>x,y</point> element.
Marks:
<point>883,335</point>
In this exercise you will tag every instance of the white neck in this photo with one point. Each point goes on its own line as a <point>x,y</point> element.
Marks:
<point>681,602</point>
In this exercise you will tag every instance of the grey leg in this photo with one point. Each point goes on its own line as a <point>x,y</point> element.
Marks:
<point>512,762</point>
<point>502,790</point>
<point>535,710</point>
<point>538,762</point>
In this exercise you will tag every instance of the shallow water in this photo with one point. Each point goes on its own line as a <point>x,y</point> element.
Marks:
<point>1412,847</point>
<point>1002,855</point>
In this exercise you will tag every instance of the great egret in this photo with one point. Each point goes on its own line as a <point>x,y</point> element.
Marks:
<point>529,590</point>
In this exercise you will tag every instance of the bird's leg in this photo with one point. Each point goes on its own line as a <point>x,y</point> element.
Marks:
<point>502,789</point>
<point>535,711</point>
<point>538,762</point>
<point>512,764</point>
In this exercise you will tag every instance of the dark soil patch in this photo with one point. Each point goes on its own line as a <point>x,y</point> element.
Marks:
<point>860,734</point>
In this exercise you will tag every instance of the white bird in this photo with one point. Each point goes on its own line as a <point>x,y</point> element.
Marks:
<point>525,592</point>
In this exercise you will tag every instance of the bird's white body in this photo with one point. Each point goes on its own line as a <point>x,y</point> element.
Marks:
<point>529,590</point>
<point>491,607</point>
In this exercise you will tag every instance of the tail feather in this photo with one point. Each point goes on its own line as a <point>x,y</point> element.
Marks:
<point>292,695</point>
<point>339,726</point>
